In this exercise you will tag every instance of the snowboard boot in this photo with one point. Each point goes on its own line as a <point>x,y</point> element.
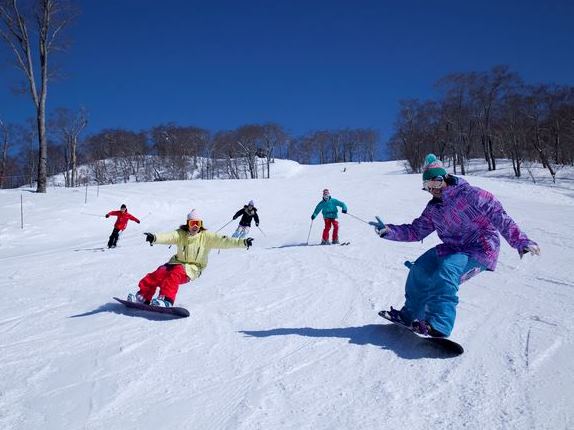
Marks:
<point>325,242</point>
<point>162,301</point>
<point>335,242</point>
<point>396,316</point>
<point>137,298</point>
<point>424,328</point>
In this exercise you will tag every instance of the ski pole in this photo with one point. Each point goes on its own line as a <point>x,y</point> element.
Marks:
<point>99,216</point>
<point>224,226</point>
<point>309,235</point>
<point>264,235</point>
<point>356,217</point>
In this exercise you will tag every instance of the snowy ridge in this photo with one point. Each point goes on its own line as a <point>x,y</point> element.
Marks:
<point>282,336</point>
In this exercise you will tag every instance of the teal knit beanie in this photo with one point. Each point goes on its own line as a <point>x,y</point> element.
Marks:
<point>432,168</point>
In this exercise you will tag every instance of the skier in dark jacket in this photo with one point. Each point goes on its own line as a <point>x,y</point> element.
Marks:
<point>247,213</point>
<point>120,225</point>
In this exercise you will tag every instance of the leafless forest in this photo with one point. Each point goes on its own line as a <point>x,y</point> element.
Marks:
<point>170,151</point>
<point>489,115</point>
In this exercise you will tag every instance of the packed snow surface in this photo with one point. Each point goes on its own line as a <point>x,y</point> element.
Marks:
<point>284,335</point>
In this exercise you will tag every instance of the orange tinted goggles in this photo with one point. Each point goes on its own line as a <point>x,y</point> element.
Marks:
<point>194,223</point>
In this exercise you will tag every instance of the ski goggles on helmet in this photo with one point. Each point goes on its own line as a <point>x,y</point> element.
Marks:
<point>194,224</point>
<point>433,184</point>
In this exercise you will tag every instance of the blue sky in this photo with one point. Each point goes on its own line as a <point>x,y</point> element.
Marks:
<point>305,64</point>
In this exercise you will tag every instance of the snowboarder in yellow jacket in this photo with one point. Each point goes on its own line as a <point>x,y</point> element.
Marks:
<point>193,245</point>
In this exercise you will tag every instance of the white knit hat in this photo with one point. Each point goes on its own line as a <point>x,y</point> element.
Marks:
<point>194,215</point>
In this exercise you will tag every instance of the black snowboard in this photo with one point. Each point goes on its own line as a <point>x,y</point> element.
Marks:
<point>442,342</point>
<point>175,311</point>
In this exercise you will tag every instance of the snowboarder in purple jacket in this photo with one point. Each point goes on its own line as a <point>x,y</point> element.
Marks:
<point>467,219</point>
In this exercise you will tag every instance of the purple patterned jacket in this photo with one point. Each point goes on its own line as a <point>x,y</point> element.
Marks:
<point>466,220</point>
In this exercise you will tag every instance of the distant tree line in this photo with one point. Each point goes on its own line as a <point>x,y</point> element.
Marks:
<point>51,143</point>
<point>169,151</point>
<point>490,115</point>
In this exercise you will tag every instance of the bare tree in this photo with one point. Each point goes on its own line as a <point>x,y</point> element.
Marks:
<point>487,89</point>
<point>247,138</point>
<point>273,137</point>
<point>368,139</point>
<point>493,113</point>
<point>5,137</point>
<point>180,146</point>
<point>69,125</point>
<point>536,109</point>
<point>48,18</point>
<point>116,153</point>
<point>416,132</point>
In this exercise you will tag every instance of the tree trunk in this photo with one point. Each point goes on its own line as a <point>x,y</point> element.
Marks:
<point>543,157</point>
<point>42,152</point>
<point>485,149</point>
<point>5,137</point>
<point>74,176</point>
<point>492,161</point>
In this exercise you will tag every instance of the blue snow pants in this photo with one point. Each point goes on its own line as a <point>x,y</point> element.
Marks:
<point>432,287</point>
<point>241,232</point>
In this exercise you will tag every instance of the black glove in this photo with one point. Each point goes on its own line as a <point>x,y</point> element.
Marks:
<point>256,224</point>
<point>344,211</point>
<point>248,242</point>
<point>107,215</point>
<point>138,222</point>
<point>312,217</point>
<point>149,238</point>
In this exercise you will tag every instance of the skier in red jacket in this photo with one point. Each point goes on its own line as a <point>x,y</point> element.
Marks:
<point>120,225</point>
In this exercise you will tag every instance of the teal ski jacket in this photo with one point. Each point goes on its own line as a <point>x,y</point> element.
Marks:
<point>329,208</point>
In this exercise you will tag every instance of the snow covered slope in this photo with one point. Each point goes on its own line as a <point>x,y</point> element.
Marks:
<point>282,336</point>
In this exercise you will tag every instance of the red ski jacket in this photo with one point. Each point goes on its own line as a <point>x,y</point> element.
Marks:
<point>123,218</point>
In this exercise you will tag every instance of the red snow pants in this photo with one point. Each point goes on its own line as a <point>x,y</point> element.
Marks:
<point>167,277</point>
<point>328,223</point>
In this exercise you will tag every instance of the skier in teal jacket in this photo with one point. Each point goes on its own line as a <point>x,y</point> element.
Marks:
<point>328,206</point>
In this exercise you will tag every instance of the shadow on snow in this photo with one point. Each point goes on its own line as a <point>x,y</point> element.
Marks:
<point>118,308</point>
<point>390,337</point>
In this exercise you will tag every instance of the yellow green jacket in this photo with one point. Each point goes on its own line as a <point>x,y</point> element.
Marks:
<point>193,251</point>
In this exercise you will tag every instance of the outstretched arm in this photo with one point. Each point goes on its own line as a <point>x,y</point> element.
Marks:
<point>342,205</point>
<point>215,241</point>
<point>417,230</point>
<point>166,238</point>
<point>238,214</point>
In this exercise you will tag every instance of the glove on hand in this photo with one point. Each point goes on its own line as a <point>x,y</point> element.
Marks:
<point>107,215</point>
<point>380,227</point>
<point>532,247</point>
<point>312,217</point>
<point>149,238</point>
<point>138,222</point>
<point>256,224</point>
<point>248,242</point>
<point>344,211</point>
